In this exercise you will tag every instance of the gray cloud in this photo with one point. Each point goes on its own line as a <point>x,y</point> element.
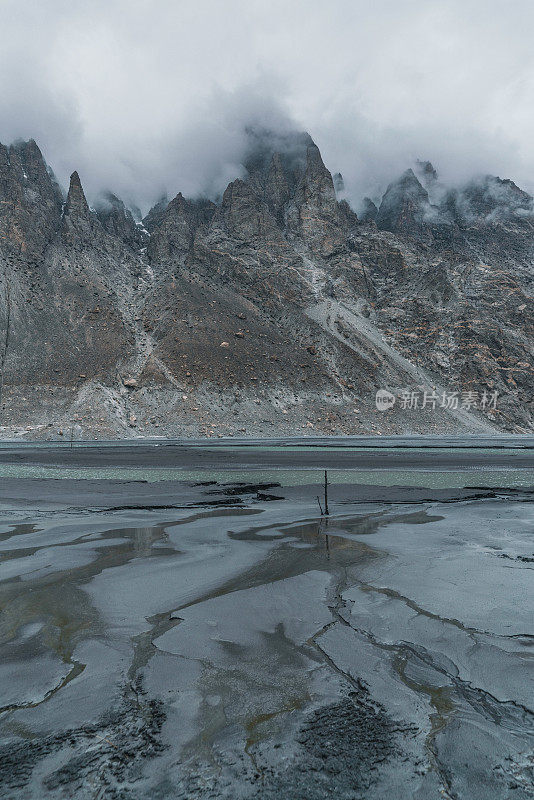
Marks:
<point>146,96</point>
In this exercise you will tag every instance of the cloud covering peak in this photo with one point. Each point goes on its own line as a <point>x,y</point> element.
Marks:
<point>146,97</point>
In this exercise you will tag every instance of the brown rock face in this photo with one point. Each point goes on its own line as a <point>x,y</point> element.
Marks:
<point>288,174</point>
<point>316,189</point>
<point>60,266</point>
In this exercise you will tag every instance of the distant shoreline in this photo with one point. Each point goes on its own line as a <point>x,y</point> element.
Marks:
<point>497,441</point>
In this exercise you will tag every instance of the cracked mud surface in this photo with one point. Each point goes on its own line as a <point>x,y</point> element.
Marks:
<point>255,650</point>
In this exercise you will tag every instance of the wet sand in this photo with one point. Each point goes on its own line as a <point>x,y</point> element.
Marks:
<point>173,640</point>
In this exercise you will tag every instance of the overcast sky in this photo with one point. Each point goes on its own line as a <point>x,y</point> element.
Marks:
<point>142,96</point>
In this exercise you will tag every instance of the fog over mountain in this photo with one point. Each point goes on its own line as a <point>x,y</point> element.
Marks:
<point>144,98</point>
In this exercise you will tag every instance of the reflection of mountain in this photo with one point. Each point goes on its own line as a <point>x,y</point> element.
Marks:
<point>277,309</point>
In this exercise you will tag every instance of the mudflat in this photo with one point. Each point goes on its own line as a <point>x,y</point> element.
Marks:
<point>202,639</point>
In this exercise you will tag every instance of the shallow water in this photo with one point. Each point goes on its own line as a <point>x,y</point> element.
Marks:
<point>434,479</point>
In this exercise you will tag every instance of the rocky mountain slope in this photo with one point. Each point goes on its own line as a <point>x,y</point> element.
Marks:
<point>275,310</point>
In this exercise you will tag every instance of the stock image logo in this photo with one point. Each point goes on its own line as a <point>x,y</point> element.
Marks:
<point>417,400</point>
<point>384,400</point>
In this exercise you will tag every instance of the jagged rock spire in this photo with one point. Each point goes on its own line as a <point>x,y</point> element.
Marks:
<point>317,178</point>
<point>76,205</point>
<point>315,212</point>
<point>339,183</point>
<point>80,224</point>
<point>30,199</point>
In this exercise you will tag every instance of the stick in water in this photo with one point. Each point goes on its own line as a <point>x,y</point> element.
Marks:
<point>326,511</point>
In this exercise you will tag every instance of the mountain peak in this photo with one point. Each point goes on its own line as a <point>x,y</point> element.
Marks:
<point>339,183</point>
<point>76,205</point>
<point>174,234</point>
<point>30,207</point>
<point>403,205</point>
<point>408,178</point>
<point>368,211</point>
<point>263,143</point>
<point>275,162</point>
<point>155,216</point>
<point>494,198</point>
